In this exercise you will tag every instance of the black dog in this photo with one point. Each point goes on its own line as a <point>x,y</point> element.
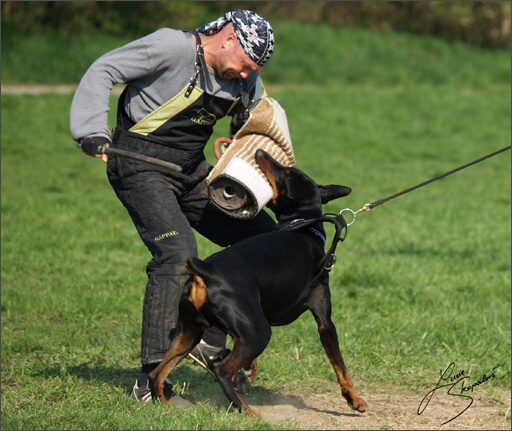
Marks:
<point>266,280</point>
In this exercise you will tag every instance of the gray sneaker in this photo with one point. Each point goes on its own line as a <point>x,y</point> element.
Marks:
<point>208,356</point>
<point>144,394</point>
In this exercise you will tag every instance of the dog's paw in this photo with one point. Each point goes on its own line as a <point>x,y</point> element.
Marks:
<point>362,407</point>
<point>354,401</point>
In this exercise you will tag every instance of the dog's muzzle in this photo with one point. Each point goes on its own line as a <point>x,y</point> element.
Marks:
<point>236,184</point>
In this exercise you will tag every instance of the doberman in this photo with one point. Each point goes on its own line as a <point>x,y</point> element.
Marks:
<point>266,280</point>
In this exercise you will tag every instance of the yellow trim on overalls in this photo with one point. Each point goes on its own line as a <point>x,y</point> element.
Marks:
<point>263,88</point>
<point>168,110</point>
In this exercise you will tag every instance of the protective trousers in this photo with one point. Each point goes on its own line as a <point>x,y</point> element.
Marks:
<point>164,210</point>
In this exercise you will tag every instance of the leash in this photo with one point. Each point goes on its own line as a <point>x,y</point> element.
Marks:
<point>329,260</point>
<point>368,207</point>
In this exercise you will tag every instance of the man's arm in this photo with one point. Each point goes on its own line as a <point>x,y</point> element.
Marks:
<point>134,61</point>
<point>90,105</point>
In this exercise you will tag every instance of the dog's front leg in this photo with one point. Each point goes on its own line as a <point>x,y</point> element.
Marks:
<point>330,342</point>
<point>225,375</point>
<point>243,353</point>
<point>320,306</point>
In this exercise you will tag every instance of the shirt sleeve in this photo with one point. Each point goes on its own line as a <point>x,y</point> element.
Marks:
<point>90,104</point>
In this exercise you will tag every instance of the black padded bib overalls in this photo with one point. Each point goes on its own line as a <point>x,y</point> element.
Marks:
<point>164,204</point>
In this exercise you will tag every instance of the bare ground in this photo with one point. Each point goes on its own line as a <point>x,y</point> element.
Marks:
<point>35,89</point>
<point>388,411</point>
<point>391,410</point>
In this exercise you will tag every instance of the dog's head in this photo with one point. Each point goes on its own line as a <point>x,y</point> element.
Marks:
<point>295,194</point>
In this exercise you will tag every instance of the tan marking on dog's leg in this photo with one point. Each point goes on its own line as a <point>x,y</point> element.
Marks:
<point>331,347</point>
<point>252,412</point>
<point>348,391</point>
<point>178,350</point>
<point>254,370</point>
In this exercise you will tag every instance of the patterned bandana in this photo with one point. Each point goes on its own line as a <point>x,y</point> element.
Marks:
<point>255,35</point>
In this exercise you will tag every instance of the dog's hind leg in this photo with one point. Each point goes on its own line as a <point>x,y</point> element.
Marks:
<point>320,305</point>
<point>188,334</point>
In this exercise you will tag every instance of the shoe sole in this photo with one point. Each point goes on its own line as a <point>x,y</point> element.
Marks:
<point>241,389</point>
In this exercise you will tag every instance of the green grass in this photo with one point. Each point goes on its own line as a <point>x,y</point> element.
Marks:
<point>51,57</point>
<point>306,54</point>
<point>421,281</point>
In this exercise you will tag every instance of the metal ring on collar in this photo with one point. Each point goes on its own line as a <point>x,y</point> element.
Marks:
<point>353,215</point>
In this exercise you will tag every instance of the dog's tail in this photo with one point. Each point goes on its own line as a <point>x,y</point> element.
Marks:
<point>199,267</point>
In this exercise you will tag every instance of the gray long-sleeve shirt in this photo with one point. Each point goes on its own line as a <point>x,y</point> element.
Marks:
<point>155,68</point>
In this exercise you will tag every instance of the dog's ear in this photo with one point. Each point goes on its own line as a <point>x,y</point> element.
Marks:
<point>333,191</point>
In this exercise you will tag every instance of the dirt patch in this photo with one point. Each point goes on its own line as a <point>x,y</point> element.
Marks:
<point>37,89</point>
<point>21,89</point>
<point>388,411</point>
<point>392,410</point>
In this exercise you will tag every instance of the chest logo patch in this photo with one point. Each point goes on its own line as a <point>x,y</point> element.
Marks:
<point>204,118</point>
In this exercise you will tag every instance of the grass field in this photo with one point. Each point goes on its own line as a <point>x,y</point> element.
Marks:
<point>421,281</point>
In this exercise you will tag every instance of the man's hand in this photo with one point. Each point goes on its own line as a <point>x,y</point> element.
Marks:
<point>95,146</point>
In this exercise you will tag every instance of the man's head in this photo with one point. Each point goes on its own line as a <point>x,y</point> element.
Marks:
<point>254,34</point>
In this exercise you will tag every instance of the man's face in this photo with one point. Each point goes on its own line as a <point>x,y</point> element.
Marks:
<point>233,62</point>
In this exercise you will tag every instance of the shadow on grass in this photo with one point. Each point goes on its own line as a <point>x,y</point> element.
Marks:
<point>123,378</point>
<point>190,381</point>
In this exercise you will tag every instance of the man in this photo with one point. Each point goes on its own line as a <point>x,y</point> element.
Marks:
<point>178,84</point>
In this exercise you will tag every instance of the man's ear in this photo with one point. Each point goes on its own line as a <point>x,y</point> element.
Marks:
<point>230,40</point>
<point>333,191</point>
